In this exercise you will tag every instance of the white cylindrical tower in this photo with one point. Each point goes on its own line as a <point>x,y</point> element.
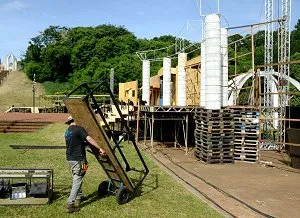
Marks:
<point>224,58</point>
<point>202,77</point>
<point>146,82</point>
<point>167,82</point>
<point>181,87</point>
<point>213,77</point>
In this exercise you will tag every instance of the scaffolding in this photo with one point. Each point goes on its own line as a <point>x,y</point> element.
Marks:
<point>274,94</point>
<point>268,70</point>
<point>284,68</point>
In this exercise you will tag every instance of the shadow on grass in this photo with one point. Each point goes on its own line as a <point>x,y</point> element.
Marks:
<point>149,184</point>
<point>59,193</point>
<point>90,199</point>
<point>64,192</point>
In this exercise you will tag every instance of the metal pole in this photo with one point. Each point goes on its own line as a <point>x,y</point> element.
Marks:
<point>186,133</point>
<point>145,127</point>
<point>235,71</point>
<point>137,121</point>
<point>175,135</point>
<point>128,116</point>
<point>112,79</point>
<point>152,130</point>
<point>33,94</point>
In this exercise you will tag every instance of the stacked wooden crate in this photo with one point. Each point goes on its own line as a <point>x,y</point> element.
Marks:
<point>246,133</point>
<point>214,135</point>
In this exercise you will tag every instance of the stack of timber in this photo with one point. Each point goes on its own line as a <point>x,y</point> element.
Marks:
<point>214,135</point>
<point>246,134</point>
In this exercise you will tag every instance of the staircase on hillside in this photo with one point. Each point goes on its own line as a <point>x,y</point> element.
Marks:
<point>21,126</point>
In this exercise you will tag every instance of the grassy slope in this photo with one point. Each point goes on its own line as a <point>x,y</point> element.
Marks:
<point>161,195</point>
<point>17,90</point>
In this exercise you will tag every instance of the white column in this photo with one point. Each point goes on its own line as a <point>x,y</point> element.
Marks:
<point>181,87</point>
<point>146,82</point>
<point>213,62</point>
<point>7,62</point>
<point>15,64</point>
<point>166,82</point>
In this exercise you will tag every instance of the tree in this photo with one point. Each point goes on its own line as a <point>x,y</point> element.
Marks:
<point>52,35</point>
<point>56,58</point>
<point>295,68</point>
<point>295,38</point>
<point>82,52</point>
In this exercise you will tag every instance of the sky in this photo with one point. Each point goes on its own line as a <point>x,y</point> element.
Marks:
<point>22,20</point>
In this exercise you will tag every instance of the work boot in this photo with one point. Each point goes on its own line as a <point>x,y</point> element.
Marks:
<point>72,208</point>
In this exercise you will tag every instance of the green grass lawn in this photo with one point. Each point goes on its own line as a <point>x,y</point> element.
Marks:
<point>159,196</point>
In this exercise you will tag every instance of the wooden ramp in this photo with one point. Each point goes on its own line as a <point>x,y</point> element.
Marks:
<point>84,116</point>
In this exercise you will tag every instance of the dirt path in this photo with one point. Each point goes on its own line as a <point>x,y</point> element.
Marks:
<point>239,189</point>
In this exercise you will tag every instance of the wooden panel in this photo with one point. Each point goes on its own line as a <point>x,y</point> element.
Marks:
<point>84,116</point>
<point>192,86</point>
<point>194,62</point>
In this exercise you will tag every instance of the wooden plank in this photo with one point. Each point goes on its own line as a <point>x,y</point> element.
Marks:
<point>84,115</point>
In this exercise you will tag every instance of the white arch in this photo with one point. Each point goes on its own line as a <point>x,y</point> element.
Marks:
<point>240,80</point>
<point>10,63</point>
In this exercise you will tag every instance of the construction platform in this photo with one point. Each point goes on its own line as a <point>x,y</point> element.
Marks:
<point>158,120</point>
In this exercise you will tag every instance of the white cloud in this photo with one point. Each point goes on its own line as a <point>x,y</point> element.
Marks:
<point>15,5</point>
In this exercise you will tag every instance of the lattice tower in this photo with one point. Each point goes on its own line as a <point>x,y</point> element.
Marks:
<point>267,98</point>
<point>284,68</point>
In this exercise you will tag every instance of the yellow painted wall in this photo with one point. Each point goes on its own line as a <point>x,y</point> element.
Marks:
<point>129,91</point>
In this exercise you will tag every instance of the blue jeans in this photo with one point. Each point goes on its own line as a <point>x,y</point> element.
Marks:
<point>76,192</point>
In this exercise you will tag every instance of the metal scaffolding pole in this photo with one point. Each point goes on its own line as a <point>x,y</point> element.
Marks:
<point>284,69</point>
<point>268,110</point>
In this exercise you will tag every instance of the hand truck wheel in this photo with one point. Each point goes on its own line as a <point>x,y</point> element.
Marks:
<point>103,189</point>
<point>122,195</point>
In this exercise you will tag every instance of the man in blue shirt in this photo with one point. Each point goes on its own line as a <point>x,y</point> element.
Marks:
<point>75,137</point>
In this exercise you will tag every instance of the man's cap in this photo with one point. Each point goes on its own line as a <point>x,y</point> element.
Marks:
<point>69,120</point>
